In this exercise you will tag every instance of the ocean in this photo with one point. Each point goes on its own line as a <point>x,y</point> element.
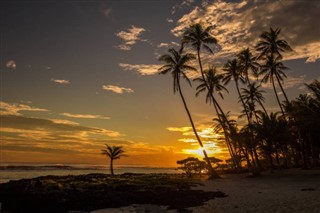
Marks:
<point>19,171</point>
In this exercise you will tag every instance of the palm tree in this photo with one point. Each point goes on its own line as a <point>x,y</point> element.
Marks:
<point>199,37</point>
<point>213,80</point>
<point>114,153</point>
<point>253,94</point>
<point>232,71</point>
<point>274,68</point>
<point>266,131</point>
<point>177,63</point>
<point>247,62</point>
<point>270,46</point>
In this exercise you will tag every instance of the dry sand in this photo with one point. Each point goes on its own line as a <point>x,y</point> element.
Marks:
<point>291,191</point>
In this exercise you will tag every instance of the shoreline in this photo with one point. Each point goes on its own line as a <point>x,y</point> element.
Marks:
<point>287,190</point>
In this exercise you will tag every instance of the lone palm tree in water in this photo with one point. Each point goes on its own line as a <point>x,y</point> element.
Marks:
<point>177,63</point>
<point>114,153</point>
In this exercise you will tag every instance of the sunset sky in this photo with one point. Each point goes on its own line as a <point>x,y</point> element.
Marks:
<point>76,75</point>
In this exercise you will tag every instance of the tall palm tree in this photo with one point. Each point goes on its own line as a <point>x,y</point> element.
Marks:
<point>114,153</point>
<point>199,37</point>
<point>232,71</point>
<point>214,82</point>
<point>247,62</point>
<point>274,68</point>
<point>177,63</point>
<point>270,46</point>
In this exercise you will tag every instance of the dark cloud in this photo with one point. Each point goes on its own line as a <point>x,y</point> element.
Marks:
<point>29,123</point>
<point>37,149</point>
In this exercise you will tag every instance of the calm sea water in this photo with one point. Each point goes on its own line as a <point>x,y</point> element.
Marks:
<point>18,171</point>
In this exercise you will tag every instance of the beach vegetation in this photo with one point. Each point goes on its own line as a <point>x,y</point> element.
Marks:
<point>113,153</point>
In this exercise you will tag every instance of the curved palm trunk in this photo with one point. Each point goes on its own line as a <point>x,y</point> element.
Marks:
<point>215,103</point>
<point>213,173</point>
<point>260,103</point>
<point>111,166</point>
<point>249,121</point>
<point>243,104</point>
<point>229,146</point>
<point>285,95</point>
<point>275,92</point>
<point>264,109</point>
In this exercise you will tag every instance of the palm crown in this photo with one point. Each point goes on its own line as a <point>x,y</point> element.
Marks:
<point>198,37</point>
<point>270,44</point>
<point>177,63</point>
<point>214,83</point>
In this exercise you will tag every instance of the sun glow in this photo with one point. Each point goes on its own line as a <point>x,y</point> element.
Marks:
<point>211,149</point>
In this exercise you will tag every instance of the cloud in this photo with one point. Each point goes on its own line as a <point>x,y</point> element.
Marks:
<point>60,121</point>
<point>117,89</point>
<point>143,69</point>
<point>11,64</point>
<point>168,44</point>
<point>179,129</point>
<point>107,12</point>
<point>188,140</point>
<point>60,81</point>
<point>84,116</point>
<point>288,82</point>
<point>41,128</point>
<point>169,20</point>
<point>14,108</point>
<point>183,4</point>
<point>235,25</point>
<point>130,37</point>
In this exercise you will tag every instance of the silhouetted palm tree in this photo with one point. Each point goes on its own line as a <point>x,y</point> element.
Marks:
<point>177,63</point>
<point>199,37</point>
<point>266,131</point>
<point>274,68</point>
<point>114,153</point>
<point>271,45</point>
<point>253,94</point>
<point>247,62</point>
<point>232,71</point>
<point>214,83</point>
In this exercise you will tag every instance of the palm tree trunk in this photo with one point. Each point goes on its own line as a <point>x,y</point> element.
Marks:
<point>111,167</point>
<point>275,92</point>
<point>285,95</point>
<point>214,101</point>
<point>213,173</point>
<point>243,104</point>
<point>230,149</point>
<point>264,109</point>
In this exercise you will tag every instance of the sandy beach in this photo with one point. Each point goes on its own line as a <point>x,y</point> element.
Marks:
<point>293,190</point>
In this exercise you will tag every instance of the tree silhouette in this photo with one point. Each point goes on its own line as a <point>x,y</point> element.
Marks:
<point>274,68</point>
<point>253,94</point>
<point>177,63</point>
<point>271,45</point>
<point>271,48</point>
<point>247,62</point>
<point>114,153</point>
